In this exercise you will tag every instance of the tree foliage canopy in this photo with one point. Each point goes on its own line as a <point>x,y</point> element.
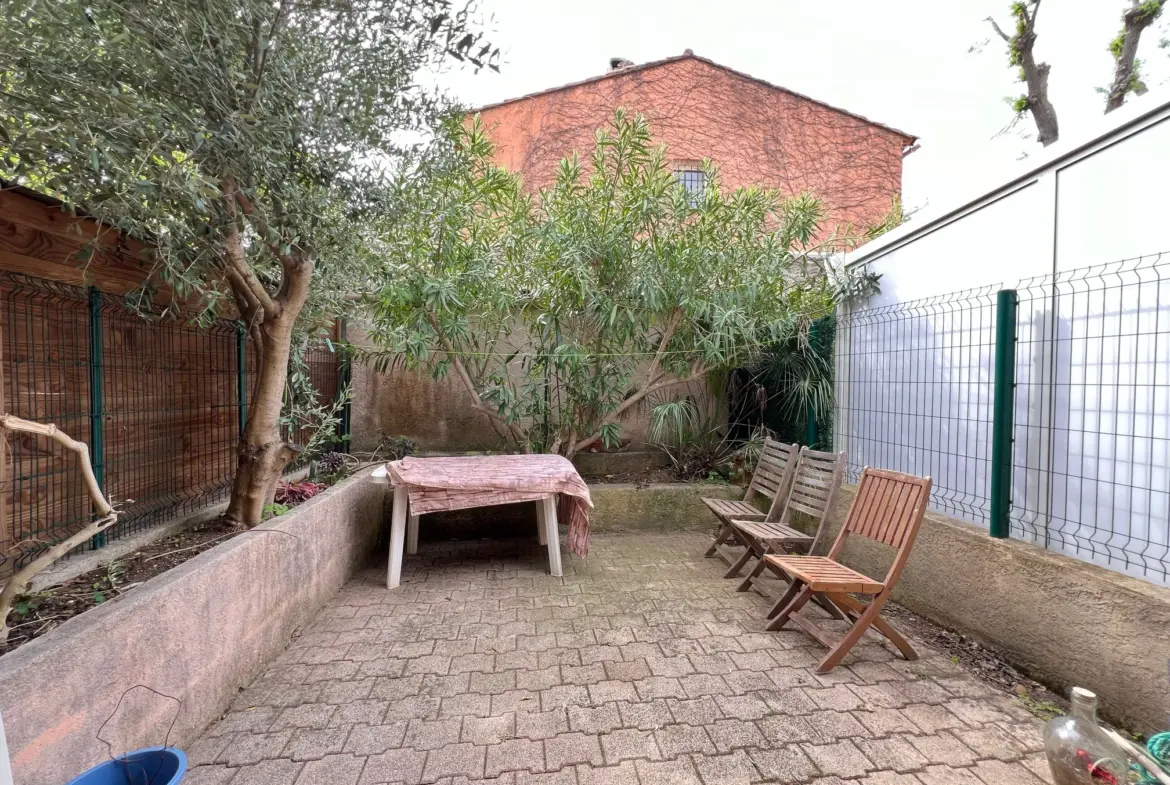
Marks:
<point>247,142</point>
<point>150,115</point>
<point>563,311</point>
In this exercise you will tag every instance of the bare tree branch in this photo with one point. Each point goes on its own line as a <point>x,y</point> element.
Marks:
<point>995,27</point>
<point>1137,18</point>
<point>19,582</point>
<point>1035,74</point>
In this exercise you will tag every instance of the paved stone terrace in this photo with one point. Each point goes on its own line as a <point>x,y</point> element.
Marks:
<point>639,666</point>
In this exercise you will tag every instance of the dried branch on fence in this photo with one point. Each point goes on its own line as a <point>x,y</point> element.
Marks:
<point>19,582</point>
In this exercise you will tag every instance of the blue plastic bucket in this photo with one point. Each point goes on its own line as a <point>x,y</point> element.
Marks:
<point>150,766</point>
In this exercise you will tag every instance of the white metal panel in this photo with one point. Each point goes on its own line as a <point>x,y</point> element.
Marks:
<point>998,242</point>
<point>1115,204</point>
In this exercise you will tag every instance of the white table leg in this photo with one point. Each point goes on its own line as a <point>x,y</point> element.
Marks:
<point>541,530</point>
<point>553,535</point>
<point>397,535</point>
<point>412,535</point>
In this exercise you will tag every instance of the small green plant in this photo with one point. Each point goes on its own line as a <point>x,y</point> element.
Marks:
<point>1043,709</point>
<point>274,509</point>
<point>398,447</point>
<point>27,605</point>
<point>715,477</point>
<point>330,468</point>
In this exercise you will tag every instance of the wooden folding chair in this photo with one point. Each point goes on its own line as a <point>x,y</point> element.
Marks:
<point>813,489</point>
<point>771,479</point>
<point>888,508</point>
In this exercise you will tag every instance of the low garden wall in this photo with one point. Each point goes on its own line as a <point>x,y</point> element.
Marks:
<point>199,632</point>
<point>617,507</point>
<point>1063,621</point>
<point>623,507</point>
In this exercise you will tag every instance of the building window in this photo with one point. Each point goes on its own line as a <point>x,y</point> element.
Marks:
<point>694,180</point>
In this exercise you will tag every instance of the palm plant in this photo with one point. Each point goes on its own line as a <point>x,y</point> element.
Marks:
<point>798,375</point>
<point>695,437</point>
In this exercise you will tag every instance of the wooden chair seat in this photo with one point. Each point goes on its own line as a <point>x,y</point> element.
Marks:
<point>814,486</point>
<point>822,574</point>
<point>771,478</point>
<point>726,509</point>
<point>772,532</point>
<point>887,508</point>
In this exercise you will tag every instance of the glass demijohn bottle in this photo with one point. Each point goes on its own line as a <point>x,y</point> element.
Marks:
<point>1079,752</point>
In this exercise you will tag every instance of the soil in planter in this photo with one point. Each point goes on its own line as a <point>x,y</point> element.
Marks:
<point>36,613</point>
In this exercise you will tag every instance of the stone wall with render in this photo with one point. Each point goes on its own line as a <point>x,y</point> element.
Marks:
<point>199,632</point>
<point>624,507</point>
<point>1063,621</point>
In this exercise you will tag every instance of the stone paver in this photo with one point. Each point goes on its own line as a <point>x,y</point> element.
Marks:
<point>641,666</point>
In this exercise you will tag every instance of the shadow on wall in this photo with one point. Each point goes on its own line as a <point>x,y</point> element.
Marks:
<point>1091,474</point>
<point>914,388</point>
<point>438,413</point>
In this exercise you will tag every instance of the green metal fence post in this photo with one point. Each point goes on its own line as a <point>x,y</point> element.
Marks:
<point>344,376</point>
<point>241,379</point>
<point>1002,411</point>
<point>97,415</point>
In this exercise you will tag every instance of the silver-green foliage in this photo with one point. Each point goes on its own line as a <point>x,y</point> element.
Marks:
<point>146,113</point>
<point>246,142</point>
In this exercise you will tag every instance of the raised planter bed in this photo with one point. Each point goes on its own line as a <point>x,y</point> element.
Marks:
<point>199,632</point>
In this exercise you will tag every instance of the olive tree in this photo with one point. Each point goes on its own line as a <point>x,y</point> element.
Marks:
<point>246,142</point>
<point>604,292</point>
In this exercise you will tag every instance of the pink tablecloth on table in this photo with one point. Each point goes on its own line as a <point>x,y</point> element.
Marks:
<point>436,484</point>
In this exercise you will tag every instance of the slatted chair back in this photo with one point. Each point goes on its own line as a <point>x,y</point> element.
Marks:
<point>773,473</point>
<point>814,488</point>
<point>889,507</point>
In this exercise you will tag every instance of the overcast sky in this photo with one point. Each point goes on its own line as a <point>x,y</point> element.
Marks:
<point>904,63</point>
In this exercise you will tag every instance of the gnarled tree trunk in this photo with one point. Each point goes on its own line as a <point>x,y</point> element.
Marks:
<point>1137,18</point>
<point>269,317</point>
<point>263,454</point>
<point>1035,74</point>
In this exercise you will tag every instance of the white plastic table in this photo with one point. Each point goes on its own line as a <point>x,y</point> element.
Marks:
<point>404,530</point>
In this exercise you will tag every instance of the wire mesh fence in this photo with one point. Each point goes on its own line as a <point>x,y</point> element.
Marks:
<point>1089,407</point>
<point>1091,467</point>
<point>157,399</point>
<point>913,393</point>
<point>45,367</point>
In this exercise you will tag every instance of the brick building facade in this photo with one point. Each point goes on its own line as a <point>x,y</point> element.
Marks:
<point>755,132</point>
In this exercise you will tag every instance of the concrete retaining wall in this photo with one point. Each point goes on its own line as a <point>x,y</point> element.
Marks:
<point>599,464</point>
<point>199,632</point>
<point>1062,621</point>
<point>621,507</point>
